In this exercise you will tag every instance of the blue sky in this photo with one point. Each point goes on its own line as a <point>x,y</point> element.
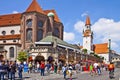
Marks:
<point>104,15</point>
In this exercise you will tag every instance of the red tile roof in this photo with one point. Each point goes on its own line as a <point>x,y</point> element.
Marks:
<point>101,48</point>
<point>34,6</point>
<point>8,37</point>
<point>10,19</point>
<point>15,19</point>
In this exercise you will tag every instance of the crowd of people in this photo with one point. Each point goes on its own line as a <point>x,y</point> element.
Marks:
<point>8,69</point>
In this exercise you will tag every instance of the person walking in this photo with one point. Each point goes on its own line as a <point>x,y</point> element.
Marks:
<point>91,69</point>
<point>111,68</point>
<point>55,67</point>
<point>30,67</point>
<point>70,68</point>
<point>64,70</point>
<point>12,70</point>
<point>38,66</point>
<point>42,67</point>
<point>20,70</point>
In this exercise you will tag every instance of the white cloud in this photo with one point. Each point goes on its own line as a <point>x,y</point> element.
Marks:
<point>69,36</point>
<point>79,26</point>
<point>107,28</point>
<point>84,14</point>
<point>14,12</point>
<point>103,29</point>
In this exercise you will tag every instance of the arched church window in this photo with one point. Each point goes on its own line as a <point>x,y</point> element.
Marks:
<point>11,49</point>
<point>40,34</point>
<point>56,32</point>
<point>29,23</point>
<point>29,35</point>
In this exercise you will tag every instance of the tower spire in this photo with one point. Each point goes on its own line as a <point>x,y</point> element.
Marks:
<point>34,6</point>
<point>87,21</point>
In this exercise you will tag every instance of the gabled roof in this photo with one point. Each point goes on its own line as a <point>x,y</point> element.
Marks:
<point>87,21</point>
<point>101,48</point>
<point>10,19</point>
<point>55,17</point>
<point>34,6</point>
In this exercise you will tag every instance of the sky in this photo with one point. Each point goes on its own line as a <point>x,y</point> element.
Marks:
<point>104,16</point>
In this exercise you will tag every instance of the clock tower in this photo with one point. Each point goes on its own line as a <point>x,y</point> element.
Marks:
<point>87,35</point>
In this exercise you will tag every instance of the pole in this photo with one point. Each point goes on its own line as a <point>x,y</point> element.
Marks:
<point>109,50</point>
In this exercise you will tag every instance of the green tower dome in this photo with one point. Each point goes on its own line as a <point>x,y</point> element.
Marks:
<point>50,14</point>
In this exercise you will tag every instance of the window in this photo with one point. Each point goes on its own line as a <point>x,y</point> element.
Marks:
<point>11,49</point>
<point>29,35</point>
<point>29,23</point>
<point>4,32</point>
<point>12,32</point>
<point>40,34</point>
<point>4,41</point>
<point>40,24</point>
<point>14,40</point>
<point>56,32</point>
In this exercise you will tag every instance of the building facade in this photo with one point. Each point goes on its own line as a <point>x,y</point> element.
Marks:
<point>18,31</point>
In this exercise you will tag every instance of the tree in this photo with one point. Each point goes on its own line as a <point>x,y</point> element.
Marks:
<point>22,56</point>
<point>85,51</point>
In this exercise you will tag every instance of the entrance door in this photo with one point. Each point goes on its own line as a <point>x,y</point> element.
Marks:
<point>39,58</point>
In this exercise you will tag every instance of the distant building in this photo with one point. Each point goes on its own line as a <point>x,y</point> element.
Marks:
<point>101,49</point>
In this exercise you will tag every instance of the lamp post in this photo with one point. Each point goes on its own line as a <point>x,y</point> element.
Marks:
<point>109,48</point>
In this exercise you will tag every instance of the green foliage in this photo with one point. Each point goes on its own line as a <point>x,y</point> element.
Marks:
<point>96,56</point>
<point>85,51</point>
<point>92,53</point>
<point>22,56</point>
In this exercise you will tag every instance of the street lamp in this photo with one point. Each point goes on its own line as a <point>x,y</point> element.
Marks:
<point>109,48</point>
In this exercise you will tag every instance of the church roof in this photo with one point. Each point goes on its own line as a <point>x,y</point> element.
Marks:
<point>10,19</point>
<point>101,48</point>
<point>15,19</point>
<point>87,21</point>
<point>34,6</point>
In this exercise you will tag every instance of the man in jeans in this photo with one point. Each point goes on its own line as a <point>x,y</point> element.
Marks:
<point>64,70</point>
<point>42,67</point>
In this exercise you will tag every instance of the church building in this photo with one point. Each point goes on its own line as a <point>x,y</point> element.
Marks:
<point>18,31</point>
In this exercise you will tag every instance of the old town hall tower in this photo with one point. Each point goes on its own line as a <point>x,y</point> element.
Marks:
<point>87,35</point>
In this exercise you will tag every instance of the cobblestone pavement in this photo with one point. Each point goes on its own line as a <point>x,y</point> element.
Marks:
<point>79,76</point>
